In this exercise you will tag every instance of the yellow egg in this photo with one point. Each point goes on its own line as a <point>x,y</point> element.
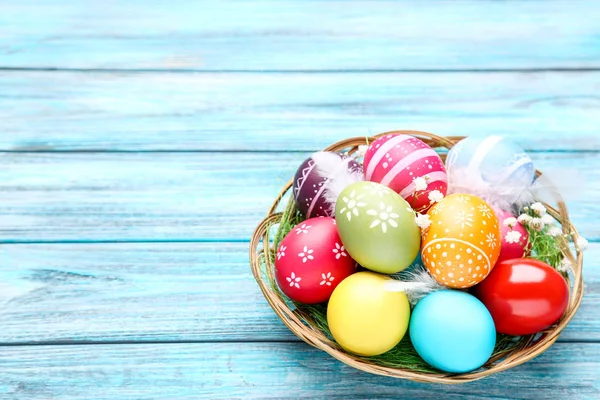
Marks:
<point>462,244</point>
<point>364,317</point>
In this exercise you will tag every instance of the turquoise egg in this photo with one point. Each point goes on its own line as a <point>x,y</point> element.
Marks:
<point>452,331</point>
<point>498,161</point>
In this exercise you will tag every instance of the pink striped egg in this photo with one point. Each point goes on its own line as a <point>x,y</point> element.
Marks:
<point>396,160</point>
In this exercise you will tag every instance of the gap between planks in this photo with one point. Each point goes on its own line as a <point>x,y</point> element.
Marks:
<point>296,71</point>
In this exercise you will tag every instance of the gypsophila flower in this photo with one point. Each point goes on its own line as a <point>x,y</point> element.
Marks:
<point>555,231</point>
<point>435,196</point>
<point>420,184</point>
<point>510,222</point>
<point>423,221</point>
<point>582,243</point>
<point>524,219</point>
<point>537,224</point>
<point>362,150</point>
<point>512,237</point>
<point>547,219</point>
<point>539,209</point>
<point>565,265</point>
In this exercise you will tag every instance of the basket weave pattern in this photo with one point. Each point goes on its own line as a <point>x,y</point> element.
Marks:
<point>304,327</point>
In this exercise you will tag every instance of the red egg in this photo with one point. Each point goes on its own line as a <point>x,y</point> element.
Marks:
<point>515,239</point>
<point>312,178</point>
<point>311,261</point>
<point>524,296</point>
<point>397,160</point>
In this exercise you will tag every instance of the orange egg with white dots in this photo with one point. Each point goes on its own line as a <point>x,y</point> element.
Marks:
<point>462,244</point>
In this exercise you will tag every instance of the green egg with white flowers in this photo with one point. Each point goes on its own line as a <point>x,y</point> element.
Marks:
<point>377,227</point>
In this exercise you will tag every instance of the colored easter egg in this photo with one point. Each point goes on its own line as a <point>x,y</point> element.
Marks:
<point>377,227</point>
<point>312,178</point>
<point>452,331</point>
<point>462,244</point>
<point>515,238</point>
<point>364,317</point>
<point>311,261</point>
<point>495,164</point>
<point>524,296</point>
<point>397,160</point>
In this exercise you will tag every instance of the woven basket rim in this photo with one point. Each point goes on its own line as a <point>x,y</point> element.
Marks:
<point>297,323</point>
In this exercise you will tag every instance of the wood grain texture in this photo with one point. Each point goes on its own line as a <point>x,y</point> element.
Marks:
<point>266,371</point>
<point>164,292</point>
<point>293,35</point>
<point>190,196</point>
<point>129,112</point>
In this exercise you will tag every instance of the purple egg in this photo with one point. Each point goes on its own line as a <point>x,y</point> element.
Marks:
<point>314,177</point>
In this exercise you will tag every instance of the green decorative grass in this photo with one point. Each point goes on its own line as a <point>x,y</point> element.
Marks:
<point>404,355</point>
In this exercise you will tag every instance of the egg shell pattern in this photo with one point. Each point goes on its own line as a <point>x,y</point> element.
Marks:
<point>395,160</point>
<point>310,183</point>
<point>462,244</point>
<point>378,227</point>
<point>311,261</point>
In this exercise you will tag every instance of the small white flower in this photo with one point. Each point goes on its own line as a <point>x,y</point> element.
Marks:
<point>362,150</point>
<point>352,204</point>
<point>539,209</point>
<point>281,252</point>
<point>512,237</point>
<point>547,219</point>
<point>423,221</point>
<point>555,231</point>
<point>420,184</point>
<point>491,240</point>
<point>582,243</point>
<point>464,218</point>
<point>384,217</point>
<point>537,224</point>
<point>303,229</point>
<point>435,196</point>
<point>327,279</point>
<point>339,251</point>
<point>462,199</point>
<point>306,254</point>
<point>565,265</point>
<point>524,219</point>
<point>294,280</point>
<point>485,211</point>
<point>510,222</point>
<point>379,190</point>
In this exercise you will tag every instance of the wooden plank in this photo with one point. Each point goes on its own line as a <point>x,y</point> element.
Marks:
<point>273,35</point>
<point>164,292</point>
<point>128,112</point>
<point>191,196</point>
<point>266,371</point>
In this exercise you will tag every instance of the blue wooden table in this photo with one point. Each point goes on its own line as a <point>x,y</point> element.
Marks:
<point>142,141</point>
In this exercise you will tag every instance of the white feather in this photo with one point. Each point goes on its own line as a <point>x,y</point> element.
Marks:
<point>335,168</point>
<point>416,284</point>
<point>503,196</point>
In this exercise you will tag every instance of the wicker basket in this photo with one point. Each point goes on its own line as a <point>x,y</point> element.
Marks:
<point>302,325</point>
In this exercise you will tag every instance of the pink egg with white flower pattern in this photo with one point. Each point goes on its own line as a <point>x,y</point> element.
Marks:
<point>311,261</point>
<point>408,166</point>
<point>515,238</point>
